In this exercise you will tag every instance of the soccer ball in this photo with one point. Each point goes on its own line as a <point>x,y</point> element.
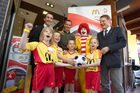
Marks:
<point>80,59</point>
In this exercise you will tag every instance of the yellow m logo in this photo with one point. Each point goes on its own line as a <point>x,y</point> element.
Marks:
<point>96,11</point>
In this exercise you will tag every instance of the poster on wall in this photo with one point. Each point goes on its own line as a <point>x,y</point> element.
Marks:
<point>89,15</point>
<point>17,68</point>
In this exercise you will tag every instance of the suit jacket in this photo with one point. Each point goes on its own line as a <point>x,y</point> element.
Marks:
<point>35,33</point>
<point>115,40</point>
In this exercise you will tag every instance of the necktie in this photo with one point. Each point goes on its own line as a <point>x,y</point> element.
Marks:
<point>106,32</point>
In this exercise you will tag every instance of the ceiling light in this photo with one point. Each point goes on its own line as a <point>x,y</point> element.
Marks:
<point>45,12</point>
<point>47,4</point>
<point>51,5</point>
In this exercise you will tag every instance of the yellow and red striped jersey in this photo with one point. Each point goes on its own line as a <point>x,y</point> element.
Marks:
<point>59,51</point>
<point>92,57</point>
<point>70,55</point>
<point>42,52</point>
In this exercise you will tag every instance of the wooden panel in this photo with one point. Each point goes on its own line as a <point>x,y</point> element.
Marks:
<point>134,25</point>
<point>136,31</point>
<point>133,21</point>
<point>132,15</point>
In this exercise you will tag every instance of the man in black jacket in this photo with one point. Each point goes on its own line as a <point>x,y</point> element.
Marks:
<point>34,36</point>
<point>111,40</point>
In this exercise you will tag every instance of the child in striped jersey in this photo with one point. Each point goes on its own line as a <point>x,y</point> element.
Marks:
<point>45,56</point>
<point>70,72</point>
<point>93,66</point>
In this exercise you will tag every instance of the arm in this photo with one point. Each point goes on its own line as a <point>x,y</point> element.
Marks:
<point>76,75</point>
<point>26,31</point>
<point>62,64</point>
<point>68,60</point>
<point>97,63</point>
<point>121,41</point>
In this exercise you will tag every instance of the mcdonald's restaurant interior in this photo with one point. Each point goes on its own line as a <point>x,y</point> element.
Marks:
<point>125,13</point>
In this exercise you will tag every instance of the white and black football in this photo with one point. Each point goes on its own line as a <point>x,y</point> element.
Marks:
<point>80,59</point>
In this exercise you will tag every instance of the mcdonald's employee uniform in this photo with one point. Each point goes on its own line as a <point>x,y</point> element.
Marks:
<point>70,71</point>
<point>44,57</point>
<point>58,70</point>
<point>82,45</point>
<point>93,73</point>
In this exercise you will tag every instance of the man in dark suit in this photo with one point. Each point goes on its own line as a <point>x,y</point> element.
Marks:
<point>111,40</point>
<point>34,36</point>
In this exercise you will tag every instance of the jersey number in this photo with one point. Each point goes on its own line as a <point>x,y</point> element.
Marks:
<point>48,57</point>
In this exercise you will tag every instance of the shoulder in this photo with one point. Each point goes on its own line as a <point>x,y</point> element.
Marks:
<point>90,36</point>
<point>78,37</point>
<point>117,28</point>
<point>59,49</point>
<point>98,50</point>
<point>99,34</point>
<point>33,42</point>
<point>61,32</point>
<point>37,28</point>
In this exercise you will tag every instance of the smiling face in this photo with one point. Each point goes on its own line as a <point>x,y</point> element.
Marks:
<point>46,35</point>
<point>93,44</point>
<point>104,22</point>
<point>56,37</point>
<point>67,26</point>
<point>71,45</point>
<point>48,19</point>
<point>83,32</point>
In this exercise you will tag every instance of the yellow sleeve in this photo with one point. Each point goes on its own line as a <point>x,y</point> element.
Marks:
<point>31,46</point>
<point>55,58</point>
<point>87,44</point>
<point>77,43</point>
<point>88,56</point>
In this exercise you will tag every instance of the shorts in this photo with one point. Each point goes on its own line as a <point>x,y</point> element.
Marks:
<point>69,75</point>
<point>59,76</point>
<point>93,80</point>
<point>43,76</point>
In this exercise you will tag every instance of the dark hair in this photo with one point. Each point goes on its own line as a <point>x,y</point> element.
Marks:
<point>70,40</point>
<point>106,16</point>
<point>47,14</point>
<point>68,21</point>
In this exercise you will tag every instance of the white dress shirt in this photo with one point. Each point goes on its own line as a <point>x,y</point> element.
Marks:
<point>108,29</point>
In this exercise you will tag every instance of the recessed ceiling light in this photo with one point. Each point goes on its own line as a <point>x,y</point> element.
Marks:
<point>51,5</point>
<point>45,12</point>
<point>47,4</point>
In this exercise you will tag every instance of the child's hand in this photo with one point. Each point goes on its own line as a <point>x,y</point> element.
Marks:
<point>83,66</point>
<point>64,52</point>
<point>76,51</point>
<point>29,26</point>
<point>71,61</point>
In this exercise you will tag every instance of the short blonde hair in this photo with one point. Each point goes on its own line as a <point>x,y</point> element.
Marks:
<point>41,34</point>
<point>93,37</point>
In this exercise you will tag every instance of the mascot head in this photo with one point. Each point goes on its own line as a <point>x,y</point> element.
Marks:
<point>83,29</point>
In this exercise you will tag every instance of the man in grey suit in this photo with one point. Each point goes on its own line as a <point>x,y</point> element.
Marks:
<point>111,40</point>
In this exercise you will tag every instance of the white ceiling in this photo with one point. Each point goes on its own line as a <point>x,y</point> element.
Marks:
<point>61,6</point>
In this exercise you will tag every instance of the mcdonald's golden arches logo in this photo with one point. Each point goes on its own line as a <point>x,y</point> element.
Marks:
<point>95,11</point>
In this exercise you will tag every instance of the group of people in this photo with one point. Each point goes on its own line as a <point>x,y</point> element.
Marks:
<point>53,54</point>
